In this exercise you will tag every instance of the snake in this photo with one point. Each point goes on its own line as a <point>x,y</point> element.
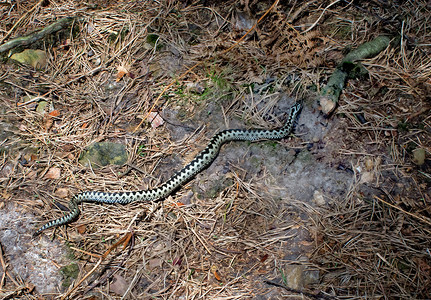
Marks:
<point>199,163</point>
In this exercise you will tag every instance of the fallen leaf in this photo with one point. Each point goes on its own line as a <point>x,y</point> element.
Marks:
<point>155,119</point>
<point>32,175</point>
<point>67,147</point>
<point>306,243</point>
<point>121,71</point>
<point>263,258</point>
<point>215,273</point>
<point>119,286</point>
<point>423,265</point>
<point>48,123</point>
<point>81,228</point>
<point>6,170</point>
<point>154,263</point>
<point>53,173</point>
<point>6,196</point>
<point>62,193</point>
<point>54,113</point>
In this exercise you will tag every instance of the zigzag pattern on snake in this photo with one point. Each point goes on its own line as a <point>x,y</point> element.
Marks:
<point>200,162</point>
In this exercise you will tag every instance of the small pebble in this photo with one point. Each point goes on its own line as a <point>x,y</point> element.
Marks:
<point>318,198</point>
<point>367,177</point>
<point>419,156</point>
<point>369,164</point>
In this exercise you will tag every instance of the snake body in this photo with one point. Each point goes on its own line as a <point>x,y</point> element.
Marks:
<point>200,162</point>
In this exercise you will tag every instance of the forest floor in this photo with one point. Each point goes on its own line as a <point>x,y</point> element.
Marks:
<point>341,209</point>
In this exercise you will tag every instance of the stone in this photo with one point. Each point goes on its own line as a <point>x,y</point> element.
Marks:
<point>318,198</point>
<point>419,156</point>
<point>103,154</point>
<point>35,58</point>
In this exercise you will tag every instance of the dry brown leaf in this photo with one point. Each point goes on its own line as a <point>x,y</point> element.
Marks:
<point>6,196</point>
<point>53,173</point>
<point>263,258</point>
<point>306,243</point>
<point>154,263</point>
<point>119,286</point>
<point>54,113</point>
<point>155,119</point>
<point>121,71</point>
<point>81,228</point>
<point>32,175</point>
<point>62,193</point>
<point>48,123</point>
<point>215,273</point>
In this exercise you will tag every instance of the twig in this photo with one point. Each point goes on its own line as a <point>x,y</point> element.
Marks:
<point>331,92</point>
<point>5,271</point>
<point>33,37</point>
<point>113,271</point>
<point>86,252</point>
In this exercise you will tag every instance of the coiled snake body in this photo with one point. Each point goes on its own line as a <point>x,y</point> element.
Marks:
<point>200,162</point>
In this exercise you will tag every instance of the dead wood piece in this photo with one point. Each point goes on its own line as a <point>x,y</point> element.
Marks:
<point>35,36</point>
<point>331,92</point>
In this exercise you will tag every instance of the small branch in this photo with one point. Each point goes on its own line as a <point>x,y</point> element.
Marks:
<point>35,36</point>
<point>331,92</point>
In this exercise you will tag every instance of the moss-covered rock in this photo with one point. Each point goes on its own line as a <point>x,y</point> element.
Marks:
<point>103,154</point>
<point>70,273</point>
<point>35,58</point>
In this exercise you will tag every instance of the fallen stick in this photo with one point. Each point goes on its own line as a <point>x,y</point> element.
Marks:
<point>331,92</point>
<point>37,35</point>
